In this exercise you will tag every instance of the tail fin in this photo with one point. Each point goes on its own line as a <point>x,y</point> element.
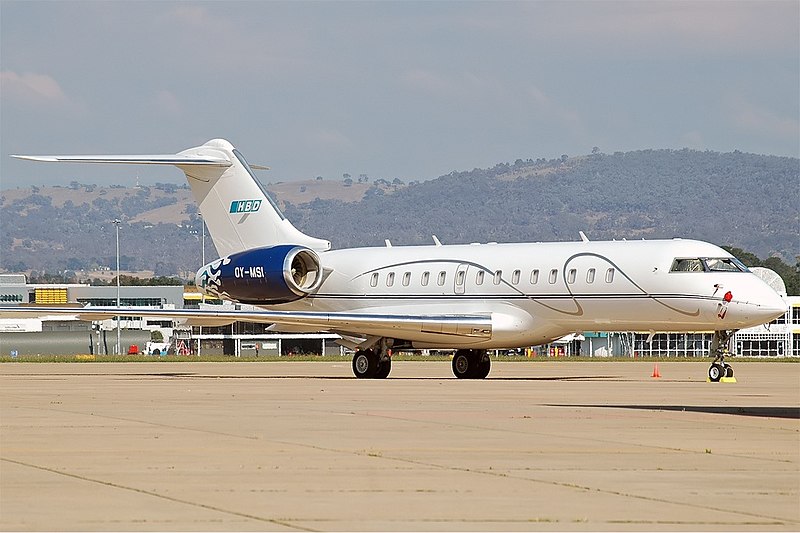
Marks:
<point>239,212</point>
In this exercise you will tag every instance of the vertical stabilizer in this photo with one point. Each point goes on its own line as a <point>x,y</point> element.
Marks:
<point>238,211</point>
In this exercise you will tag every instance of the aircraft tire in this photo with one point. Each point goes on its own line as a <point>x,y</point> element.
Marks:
<point>728,370</point>
<point>484,367</point>
<point>471,364</point>
<point>463,364</point>
<point>384,368</point>
<point>365,364</point>
<point>716,372</point>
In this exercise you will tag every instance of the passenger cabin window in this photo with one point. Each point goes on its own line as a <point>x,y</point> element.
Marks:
<point>534,276</point>
<point>571,275</point>
<point>553,276</point>
<point>390,279</point>
<point>373,280</point>
<point>609,275</point>
<point>442,276</point>
<point>590,275</point>
<point>460,277</point>
<point>515,277</point>
<point>406,279</point>
<point>498,276</point>
<point>426,276</point>
<point>479,277</point>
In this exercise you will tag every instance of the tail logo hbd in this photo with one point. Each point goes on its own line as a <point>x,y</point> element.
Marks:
<point>245,206</point>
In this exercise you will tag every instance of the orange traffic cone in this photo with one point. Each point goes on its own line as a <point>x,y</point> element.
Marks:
<point>656,374</point>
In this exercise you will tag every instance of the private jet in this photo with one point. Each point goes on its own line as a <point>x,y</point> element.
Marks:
<point>470,298</point>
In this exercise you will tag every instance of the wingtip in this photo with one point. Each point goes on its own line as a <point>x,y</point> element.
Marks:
<point>34,157</point>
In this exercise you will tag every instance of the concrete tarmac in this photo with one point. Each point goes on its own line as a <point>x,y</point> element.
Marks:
<point>305,446</point>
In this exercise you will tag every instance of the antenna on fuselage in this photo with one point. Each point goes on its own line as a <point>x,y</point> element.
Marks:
<point>436,241</point>
<point>584,238</point>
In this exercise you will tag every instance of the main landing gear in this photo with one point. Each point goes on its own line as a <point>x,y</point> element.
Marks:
<point>376,363</point>
<point>471,364</point>
<point>719,349</point>
<point>371,364</point>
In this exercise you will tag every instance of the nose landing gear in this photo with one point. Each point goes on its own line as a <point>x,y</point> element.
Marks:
<point>719,369</point>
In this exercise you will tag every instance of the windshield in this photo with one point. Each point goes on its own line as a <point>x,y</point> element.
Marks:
<point>725,265</point>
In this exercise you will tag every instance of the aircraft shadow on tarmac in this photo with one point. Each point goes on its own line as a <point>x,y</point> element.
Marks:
<point>351,378</point>
<point>768,412</point>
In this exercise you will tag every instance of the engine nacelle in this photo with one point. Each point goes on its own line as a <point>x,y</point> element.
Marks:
<point>271,275</point>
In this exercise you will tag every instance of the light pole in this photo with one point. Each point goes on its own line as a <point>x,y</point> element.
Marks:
<point>203,250</point>
<point>202,264</point>
<point>117,222</point>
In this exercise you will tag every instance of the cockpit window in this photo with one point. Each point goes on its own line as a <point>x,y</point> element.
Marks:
<point>687,265</point>
<point>708,264</point>
<point>724,265</point>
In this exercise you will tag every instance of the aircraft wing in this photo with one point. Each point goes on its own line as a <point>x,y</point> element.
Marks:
<point>391,325</point>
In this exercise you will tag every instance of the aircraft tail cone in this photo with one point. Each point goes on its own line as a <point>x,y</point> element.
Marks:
<point>656,373</point>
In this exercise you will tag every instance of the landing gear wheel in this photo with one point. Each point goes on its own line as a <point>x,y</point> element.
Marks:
<point>365,364</point>
<point>716,372</point>
<point>720,343</point>
<point>471,364</point>
<point>728,370</point>
<point>484,367</point>
<point>463,364</point>
<point>384,368</point>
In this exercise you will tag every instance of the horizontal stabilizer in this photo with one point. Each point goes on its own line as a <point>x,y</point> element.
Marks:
<point>173,159</point>
<point>221,180</point>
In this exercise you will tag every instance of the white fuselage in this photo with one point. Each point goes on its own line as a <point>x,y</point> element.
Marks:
<point>537,292</point>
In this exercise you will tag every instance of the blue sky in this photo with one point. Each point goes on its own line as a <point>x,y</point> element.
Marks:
<point>391,89</point>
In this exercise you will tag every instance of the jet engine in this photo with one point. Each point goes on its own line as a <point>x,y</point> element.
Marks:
<point>269,275</point>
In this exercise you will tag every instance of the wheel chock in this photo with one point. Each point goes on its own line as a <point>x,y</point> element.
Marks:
<point>727,380</point>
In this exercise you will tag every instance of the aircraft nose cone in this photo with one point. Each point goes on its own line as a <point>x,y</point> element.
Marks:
<point>773,306</point>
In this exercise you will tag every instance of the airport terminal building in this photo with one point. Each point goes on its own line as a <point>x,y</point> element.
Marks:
<point>779,338</point>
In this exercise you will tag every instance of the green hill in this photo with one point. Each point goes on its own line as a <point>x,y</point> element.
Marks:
<point>743,200</point>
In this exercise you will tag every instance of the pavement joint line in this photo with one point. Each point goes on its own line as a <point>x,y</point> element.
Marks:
<point>781,521</point>
<point>548,521</point>
<point>156,495</point>
<point>143,422</point>
<point>468,426</point>
<point>555,435</point>
<point>286,522</point>
<point>535,480</point>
